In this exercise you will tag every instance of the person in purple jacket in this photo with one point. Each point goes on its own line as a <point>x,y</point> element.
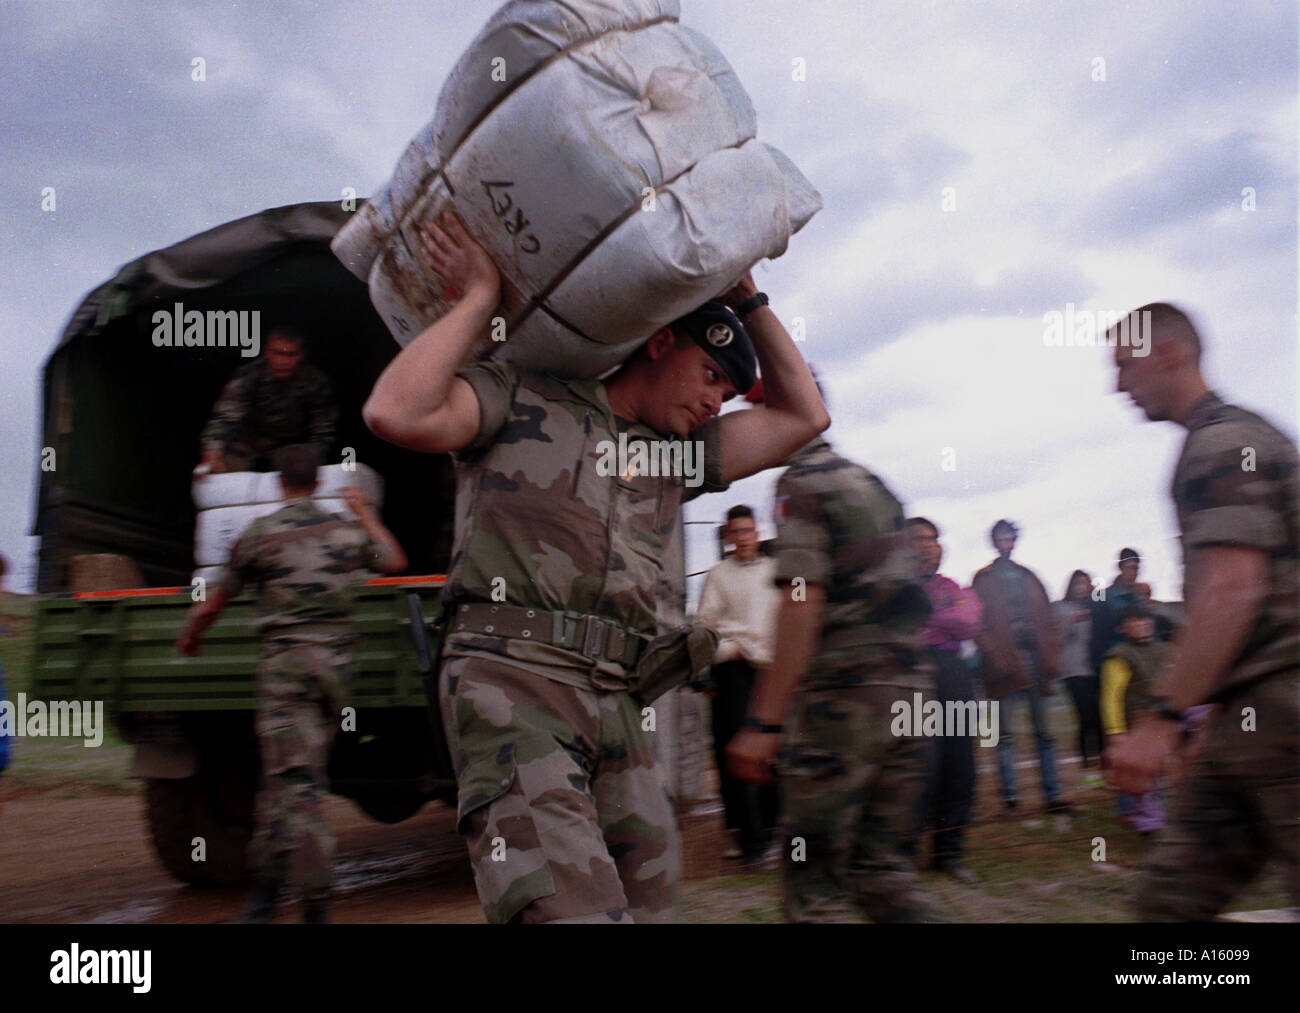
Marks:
<point>949,794</point>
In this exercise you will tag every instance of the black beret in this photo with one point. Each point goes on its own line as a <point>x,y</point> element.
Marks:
<point>716,329</point>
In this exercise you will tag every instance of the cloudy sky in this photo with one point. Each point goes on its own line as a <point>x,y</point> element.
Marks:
<point>982,164</point>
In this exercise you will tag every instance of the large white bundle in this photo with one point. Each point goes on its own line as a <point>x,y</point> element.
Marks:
<point>217,528</point>
<point>604,155</point>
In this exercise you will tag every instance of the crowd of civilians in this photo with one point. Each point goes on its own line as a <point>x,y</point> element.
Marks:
<point>1002,639</point>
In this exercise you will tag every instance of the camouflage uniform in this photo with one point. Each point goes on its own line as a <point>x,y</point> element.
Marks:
<point>849,785</point>
<point>304,562</point>
<point>1239,804</point>
<point>565,816</point>
<point>257,414</point>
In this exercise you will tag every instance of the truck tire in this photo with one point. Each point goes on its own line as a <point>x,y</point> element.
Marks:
<point>390,806</point>
<point>220,812</point>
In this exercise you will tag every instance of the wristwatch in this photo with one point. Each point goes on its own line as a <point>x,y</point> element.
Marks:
<point>753,724</point>
<point>752,303</point>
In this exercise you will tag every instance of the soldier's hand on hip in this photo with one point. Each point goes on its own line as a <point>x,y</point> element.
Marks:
<point>750,755</point>
<point>461,263</point>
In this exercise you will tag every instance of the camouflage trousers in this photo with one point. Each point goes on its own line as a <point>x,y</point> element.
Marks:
<point>1237,807</point>
<point>849,790</point>
<point>300,690</point>
<point>565,817</point>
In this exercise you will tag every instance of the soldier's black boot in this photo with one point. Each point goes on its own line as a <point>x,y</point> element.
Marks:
<point>316,911</point>
<point>265,894</point>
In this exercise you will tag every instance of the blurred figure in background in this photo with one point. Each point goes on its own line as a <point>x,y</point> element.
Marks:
<point>1157,610</point>
<point>1106,609</point>
<point>955,616</point>
<point>1019,650</point>
<point>277,400</point>
<point>739,600</point>
<point>1128,673</point>
<point>1074,615</point>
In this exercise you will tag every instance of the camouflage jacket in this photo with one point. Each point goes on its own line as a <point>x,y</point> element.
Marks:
<point>305,563</point>
<point>839,526</point>
<point>262,414</point>
<point>1236,483</point>
<point>543,522</point>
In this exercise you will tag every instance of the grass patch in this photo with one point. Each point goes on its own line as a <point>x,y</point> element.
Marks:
<point>53,764</point>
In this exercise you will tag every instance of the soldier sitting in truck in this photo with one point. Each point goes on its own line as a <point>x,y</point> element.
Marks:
<point>274,401</point>
<point>304,562</point>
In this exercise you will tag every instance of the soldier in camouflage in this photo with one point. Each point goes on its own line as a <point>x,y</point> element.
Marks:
<point>275,401</point>
<point>552,638</point>
<point>848,648</point>
<point>1236,490</point>
<point>304,563</point>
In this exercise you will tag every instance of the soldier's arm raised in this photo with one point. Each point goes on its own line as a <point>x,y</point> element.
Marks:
<point>792,412</point>
<point>391,557</point>
<point>418,402</point>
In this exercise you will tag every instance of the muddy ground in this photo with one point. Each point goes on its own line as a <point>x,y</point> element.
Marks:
<point>80,853</point>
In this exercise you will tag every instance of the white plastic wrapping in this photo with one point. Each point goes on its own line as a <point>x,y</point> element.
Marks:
<point>217,528</point>
<point>605,156</point>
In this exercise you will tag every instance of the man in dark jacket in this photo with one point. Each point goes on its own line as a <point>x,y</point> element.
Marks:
<point>1020,652</point>
<point>1121,595</point>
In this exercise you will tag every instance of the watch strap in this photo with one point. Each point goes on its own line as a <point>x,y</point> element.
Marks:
<point>752,303</point>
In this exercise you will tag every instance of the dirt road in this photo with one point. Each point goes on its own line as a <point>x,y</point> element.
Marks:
<point>89,859</point>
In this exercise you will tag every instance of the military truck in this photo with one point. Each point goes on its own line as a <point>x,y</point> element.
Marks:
<point>121,426</point>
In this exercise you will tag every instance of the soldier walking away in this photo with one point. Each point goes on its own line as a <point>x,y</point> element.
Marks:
<point>553,652</point>
<point>847,650</point>
<point>277,400</point>
<point>304,563</point>
<point>1236,491</point>
<point>1020,653</point>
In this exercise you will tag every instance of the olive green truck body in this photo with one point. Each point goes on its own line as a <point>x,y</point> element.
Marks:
<point>191,718</point>
<point>120,436</point>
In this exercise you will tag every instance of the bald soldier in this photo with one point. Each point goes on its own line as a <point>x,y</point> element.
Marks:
<point>560,543</point>
<point>1235,489</point>
<point>304,563</point>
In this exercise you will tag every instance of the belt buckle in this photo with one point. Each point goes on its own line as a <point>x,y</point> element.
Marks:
<point>593,641</point>
<point>564,629</point>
